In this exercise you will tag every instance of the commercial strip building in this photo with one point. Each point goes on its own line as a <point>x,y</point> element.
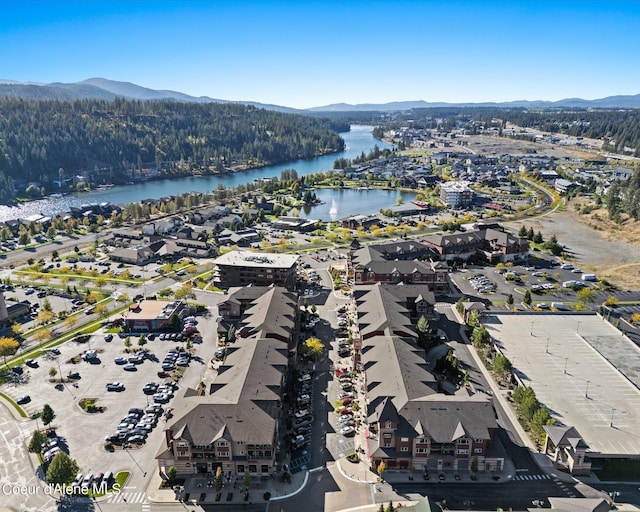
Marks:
<point>153,315</point>
<point>241,268</point>
<point>231,420</point>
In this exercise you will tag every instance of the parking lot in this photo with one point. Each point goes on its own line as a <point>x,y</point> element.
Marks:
<point>547,281</point>
<point>84,433</point>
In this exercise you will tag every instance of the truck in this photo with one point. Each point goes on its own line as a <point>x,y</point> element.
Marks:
<point>589,277</point>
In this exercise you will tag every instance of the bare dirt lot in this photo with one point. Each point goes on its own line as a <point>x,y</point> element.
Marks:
<point>611,254</point>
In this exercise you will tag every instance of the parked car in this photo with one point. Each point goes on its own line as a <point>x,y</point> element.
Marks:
<point>115,386</point>
<point>130,367</point>
<point>23,400</point>
<point>108,337</point>
<point>120,360</point>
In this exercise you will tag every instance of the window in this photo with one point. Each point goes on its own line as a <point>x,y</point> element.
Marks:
<point>253,468</point>
<point>421,450</point>
<point>478,441</point>
<point>182,453</point>
<point>387,445</point>
<point>404,448</point>
<point>222,444</point>
<point>264,468</point>
<point>387,436</point>
<point>477,450</point>
<point>181,443</point>
<point>240,468</point>
<point>241,452</point>
<point>389,424</point>
<point>463,451</point>
<point>464,440</point>
<point>404,439</point>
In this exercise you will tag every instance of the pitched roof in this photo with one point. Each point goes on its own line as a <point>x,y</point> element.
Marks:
<point>562,435</point>
<point>383,309</point>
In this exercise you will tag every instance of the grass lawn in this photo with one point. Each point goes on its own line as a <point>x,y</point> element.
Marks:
<point>15,405</point>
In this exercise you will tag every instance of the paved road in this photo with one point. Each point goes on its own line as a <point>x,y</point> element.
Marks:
<point>513,495</point>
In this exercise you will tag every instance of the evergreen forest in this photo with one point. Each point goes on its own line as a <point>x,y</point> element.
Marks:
<point>43,141</point>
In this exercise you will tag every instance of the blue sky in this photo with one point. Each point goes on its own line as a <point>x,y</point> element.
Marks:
<point>310,53</point>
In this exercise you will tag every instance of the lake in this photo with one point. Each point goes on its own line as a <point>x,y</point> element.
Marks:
<point>358,140</point>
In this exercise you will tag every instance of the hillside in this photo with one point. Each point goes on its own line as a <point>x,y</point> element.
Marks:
<point>38,138</point>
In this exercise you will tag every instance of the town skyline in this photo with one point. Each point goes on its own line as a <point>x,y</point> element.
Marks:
<point>317,54</point>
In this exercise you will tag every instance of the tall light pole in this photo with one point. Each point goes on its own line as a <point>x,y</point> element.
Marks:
<point>611,420</point>
<point>566,359</point>
<point>548,340</point>
<point>144,473</point>
<point>586,392</point>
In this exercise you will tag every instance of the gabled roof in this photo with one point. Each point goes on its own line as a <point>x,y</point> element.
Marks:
<point>563,436</point>
<point>579,504</point>
<point>272,314</point>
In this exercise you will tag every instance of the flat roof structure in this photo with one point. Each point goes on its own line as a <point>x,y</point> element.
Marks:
<point>257,259</point>
<point>582,369</point>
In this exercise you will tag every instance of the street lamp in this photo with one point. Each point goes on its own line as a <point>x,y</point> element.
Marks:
<point>586,392</point>
<point>578,328</point>
<point>611,420</point>
<point>144,473</point>
<point>548,340</point>
<point>614,495</point>
<point>566,359</point>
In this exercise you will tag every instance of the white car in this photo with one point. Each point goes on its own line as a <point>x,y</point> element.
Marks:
<point>348,430</point>
<point>302,413</point>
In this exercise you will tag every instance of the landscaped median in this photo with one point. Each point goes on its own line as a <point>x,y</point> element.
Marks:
<point>14,405</point>
<point>86,328</point>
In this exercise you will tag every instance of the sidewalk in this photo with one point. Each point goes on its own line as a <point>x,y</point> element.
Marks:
<point>200,489</point>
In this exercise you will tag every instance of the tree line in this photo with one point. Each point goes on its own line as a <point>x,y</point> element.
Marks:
<point>49,140</point>
<point>619,129</point>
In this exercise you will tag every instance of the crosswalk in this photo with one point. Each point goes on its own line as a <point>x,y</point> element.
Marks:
<point>564,487</point>
<point>127,497</point>
<point>532,477</point>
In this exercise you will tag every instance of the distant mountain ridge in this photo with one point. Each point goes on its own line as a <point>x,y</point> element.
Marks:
<point>620,101</point>
<point>104,89</point>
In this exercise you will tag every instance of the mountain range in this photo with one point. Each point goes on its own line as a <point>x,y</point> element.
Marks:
<point>102,88</point>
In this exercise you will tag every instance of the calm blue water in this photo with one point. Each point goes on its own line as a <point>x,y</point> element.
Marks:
<point>359,139</point>
<point>350,202</point>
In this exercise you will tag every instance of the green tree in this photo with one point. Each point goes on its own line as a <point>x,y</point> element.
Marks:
<point>501,365</point>
<point>62,469</point>
<point>172,473</point>
<point>530,234</point>
<point>527,298</point>
<point>480,336</point>
<point>246,479</point>
<point>142,340</point>
<point>53,372</point>
<point>37,440</point>
<point>523,232</point>
<point>47,414</point>
<point>424,330</point>
<point>510,300</point>
<point>537,238</point>
<point>231,334</point>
